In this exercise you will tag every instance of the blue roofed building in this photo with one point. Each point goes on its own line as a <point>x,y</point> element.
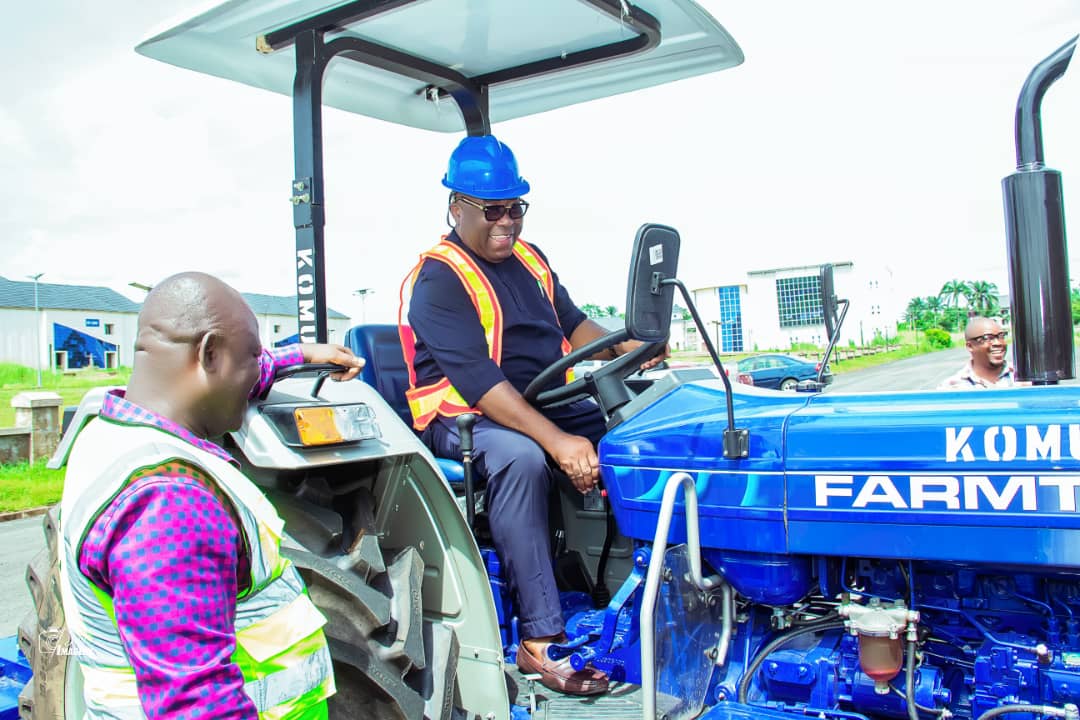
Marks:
<point>75,326</point>
<point>277,319</point>
<point>80,326</point>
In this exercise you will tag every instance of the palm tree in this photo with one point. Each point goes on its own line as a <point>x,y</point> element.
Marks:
<point>952,291</point>
<point>914,312</point>
<point>984,297</point>
<point>933,310</point>
<point>592,311</point>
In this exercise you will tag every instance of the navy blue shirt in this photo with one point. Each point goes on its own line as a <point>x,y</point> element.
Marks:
<point>450,340</point>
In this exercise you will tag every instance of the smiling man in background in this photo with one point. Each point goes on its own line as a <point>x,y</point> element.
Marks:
<point>989,366</point>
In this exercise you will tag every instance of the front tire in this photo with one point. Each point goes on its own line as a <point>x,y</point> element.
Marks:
<point>388,661</point>
<point>43,635</point>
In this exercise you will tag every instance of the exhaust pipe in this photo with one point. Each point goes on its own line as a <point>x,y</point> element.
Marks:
<point>1035,230</point>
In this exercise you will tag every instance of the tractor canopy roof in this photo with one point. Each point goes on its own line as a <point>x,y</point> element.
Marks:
<point>408,61</point>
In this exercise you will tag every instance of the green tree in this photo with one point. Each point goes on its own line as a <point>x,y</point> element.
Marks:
<point>934,307</point>
<point>913,315</point>
<point>954,291</point>
<point>984,297</point>
<point>1076,306</point>
<point>612,311</point>
<point>592,311</point>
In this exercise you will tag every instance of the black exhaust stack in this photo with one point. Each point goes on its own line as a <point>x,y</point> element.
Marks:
<point>1035,225</point>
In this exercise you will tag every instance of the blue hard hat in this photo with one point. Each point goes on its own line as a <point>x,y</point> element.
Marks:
<point>484,168</point>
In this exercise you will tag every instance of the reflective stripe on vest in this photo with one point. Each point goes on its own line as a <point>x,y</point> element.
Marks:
<point>441,398</point>
<point>280,647</point>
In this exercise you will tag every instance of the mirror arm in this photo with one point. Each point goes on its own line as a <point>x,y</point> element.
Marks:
<point>833,339</point>
<point>736,440</point>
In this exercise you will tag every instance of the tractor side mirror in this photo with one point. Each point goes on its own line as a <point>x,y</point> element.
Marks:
<point>828,299</point>
<point>648,298</point>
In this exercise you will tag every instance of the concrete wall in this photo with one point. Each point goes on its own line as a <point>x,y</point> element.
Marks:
<point>36,433</point>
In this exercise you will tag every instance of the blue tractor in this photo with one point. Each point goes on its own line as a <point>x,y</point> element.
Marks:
<point>756,554</point>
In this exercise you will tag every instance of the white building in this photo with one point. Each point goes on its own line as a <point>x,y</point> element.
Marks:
<point>77,326</point>
<point>277,320</point>
<point>74,326</point>
<point>779,308</point>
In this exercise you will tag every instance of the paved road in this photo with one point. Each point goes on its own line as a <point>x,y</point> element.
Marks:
<point>922,372</point>
<point>20,540</point>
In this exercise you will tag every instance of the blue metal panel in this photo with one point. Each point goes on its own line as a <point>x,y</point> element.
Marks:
<point>80,347</point>
<point>14,674</point>
<point>938,475</point>
<point>740,501</point>
<point>933,475</point>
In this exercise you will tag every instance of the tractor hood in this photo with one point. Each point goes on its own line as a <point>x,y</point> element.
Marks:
<point>532,56</point>
<point>946,475</point>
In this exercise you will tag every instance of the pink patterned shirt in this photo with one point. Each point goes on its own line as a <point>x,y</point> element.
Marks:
<point>966,379</point>
<point>169,552</point>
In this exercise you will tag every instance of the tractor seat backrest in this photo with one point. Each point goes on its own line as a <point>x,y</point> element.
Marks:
<point>385,370</point>
<point>384,365</point>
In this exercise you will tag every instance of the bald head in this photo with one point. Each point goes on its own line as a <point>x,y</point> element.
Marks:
<point>987,343</point>
<point>184,307</point>
<point>196,353</point>
<point>978,326</point>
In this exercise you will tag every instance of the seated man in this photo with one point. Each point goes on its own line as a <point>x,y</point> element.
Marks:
<point>482,314</point>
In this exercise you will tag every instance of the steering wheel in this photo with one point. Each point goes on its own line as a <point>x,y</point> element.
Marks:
<point>582,387</point>
<point>323,370</point>
<point>307,369</point>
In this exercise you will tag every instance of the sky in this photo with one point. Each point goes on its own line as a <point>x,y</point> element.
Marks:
<point>854,131</point>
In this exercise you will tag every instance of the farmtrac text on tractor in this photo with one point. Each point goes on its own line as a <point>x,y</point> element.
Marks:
<point>835,556</point>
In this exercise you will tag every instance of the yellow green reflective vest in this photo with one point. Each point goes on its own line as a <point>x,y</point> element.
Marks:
<point>280,646</point>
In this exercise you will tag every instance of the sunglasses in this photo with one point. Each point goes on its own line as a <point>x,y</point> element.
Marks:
<point>494,213</point>
<point>988,337</point>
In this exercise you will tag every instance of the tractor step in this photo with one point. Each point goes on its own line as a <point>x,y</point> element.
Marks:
<point>622,702</point>
<point>603,708</point>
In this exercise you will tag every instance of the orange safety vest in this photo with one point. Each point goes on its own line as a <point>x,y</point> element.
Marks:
<point>441,398</point>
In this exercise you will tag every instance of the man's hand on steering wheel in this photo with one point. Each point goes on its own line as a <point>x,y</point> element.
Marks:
<point>328,353</point>
<point>630,345</point>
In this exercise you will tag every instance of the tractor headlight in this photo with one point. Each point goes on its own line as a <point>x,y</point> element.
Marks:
<point>321,424</point>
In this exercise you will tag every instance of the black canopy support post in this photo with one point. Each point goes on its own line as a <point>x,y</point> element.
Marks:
<point>309,216</point>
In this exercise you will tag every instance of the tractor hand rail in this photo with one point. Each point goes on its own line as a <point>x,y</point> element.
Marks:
<point>652,583</point>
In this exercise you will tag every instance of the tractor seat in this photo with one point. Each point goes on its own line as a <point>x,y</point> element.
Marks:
<point>385,370</point>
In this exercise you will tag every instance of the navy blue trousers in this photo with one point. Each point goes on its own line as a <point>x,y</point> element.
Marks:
<point>519,483</point>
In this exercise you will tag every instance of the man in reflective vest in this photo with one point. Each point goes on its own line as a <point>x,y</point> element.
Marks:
<point>482,314</point>
<point>174,592</point>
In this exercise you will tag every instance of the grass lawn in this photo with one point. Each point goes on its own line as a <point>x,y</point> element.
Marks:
<point>71,386</point>
<point>26,486</point>
<point>909,347</point>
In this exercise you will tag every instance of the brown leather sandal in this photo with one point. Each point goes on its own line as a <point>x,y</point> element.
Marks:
<point>560,676</point>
